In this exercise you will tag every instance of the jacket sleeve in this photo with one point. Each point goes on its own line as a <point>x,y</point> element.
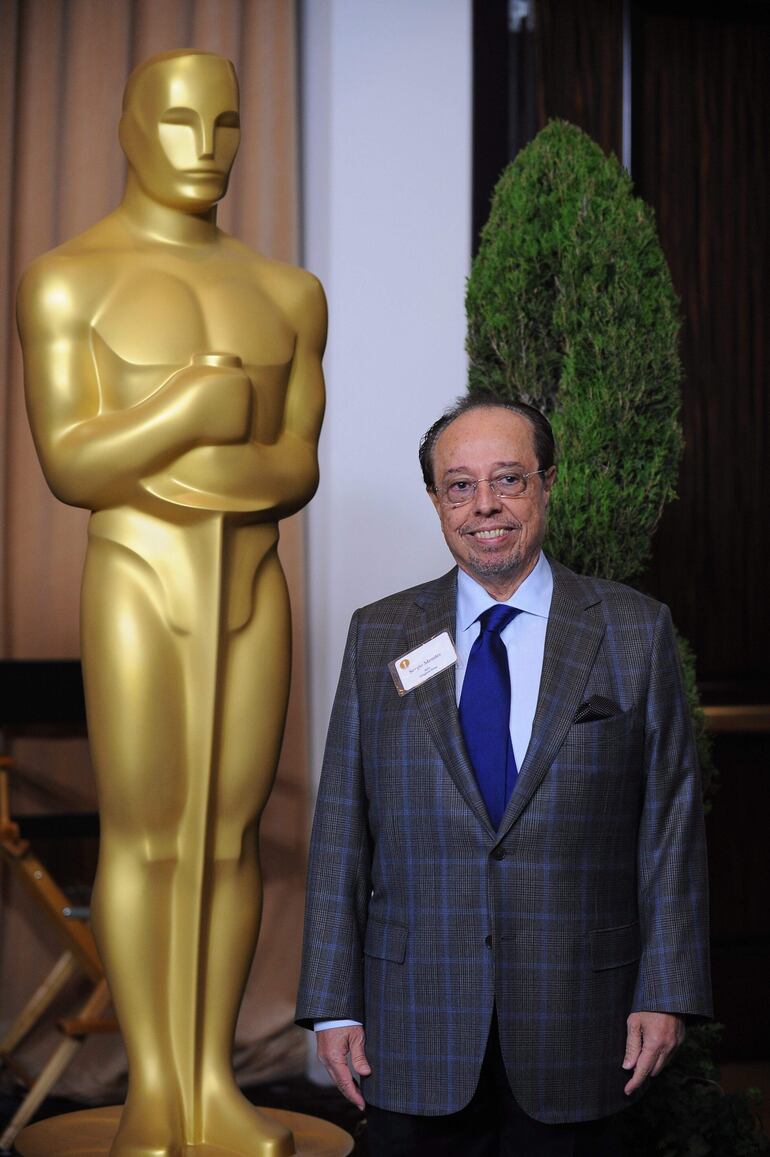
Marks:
<point>672,874</point>
<point>339,869</point>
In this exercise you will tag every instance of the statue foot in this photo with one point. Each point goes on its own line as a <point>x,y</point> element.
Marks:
<point>145,1132</point>
<point>232,1124</point>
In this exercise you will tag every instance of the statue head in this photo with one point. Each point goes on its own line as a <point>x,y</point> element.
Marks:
<point>180,127</point>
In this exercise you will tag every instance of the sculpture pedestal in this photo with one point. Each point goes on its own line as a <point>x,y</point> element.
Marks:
<point>90,1132</point>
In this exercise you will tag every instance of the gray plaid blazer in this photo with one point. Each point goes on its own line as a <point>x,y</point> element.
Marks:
<point>588,903</point>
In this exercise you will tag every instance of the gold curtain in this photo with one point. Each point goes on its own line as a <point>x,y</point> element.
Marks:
<point>63,64</point>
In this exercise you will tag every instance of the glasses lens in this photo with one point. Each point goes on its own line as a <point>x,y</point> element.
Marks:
<point>462,490</point>
<point>510,485</point>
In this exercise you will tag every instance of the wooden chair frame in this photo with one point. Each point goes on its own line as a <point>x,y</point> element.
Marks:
<point>79,955</point>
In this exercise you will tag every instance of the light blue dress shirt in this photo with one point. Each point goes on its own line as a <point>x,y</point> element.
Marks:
<point>524,639</point>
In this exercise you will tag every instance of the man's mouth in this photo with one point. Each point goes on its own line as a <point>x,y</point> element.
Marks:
<point>492,535</point>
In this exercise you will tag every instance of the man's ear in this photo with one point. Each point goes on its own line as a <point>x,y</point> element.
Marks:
<point>434,498</point>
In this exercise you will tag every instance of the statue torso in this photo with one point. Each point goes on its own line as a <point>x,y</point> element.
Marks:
<point>160,310</point>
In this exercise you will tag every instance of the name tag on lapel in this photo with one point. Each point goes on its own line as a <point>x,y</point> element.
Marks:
<point>424,662</point>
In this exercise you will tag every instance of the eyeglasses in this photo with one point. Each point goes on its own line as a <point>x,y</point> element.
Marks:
<point>511,484</point>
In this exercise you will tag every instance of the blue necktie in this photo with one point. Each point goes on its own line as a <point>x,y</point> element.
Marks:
<point>485,709</point>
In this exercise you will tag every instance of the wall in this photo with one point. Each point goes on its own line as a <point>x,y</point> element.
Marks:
<point>386,110</point>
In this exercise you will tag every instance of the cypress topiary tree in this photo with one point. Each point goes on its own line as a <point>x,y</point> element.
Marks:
<point>570,307</point>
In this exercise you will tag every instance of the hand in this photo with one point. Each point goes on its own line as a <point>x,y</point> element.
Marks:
<point>651,1041</point>
<point>216,402</point>
<point>334,1045</point>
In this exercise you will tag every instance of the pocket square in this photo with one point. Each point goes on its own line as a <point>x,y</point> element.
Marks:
<point>596,708</point>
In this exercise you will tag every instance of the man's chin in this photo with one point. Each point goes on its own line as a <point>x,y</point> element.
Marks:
<point>487,566</point>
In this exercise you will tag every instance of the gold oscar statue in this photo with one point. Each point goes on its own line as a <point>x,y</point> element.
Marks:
<point>174,388</point>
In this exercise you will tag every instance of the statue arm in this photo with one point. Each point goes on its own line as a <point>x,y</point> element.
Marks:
<point>288,469</point>
<point>93,456</point>
<point>282,476</point>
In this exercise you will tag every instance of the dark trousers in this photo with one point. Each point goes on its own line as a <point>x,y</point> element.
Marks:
<point>492,1124</point>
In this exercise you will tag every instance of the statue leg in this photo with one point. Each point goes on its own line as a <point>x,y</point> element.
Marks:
<point>133,673</point>
<point>253,710</point>
<point>185,733</point>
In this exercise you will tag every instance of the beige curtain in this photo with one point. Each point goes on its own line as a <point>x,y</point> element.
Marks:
<point>63,64</point>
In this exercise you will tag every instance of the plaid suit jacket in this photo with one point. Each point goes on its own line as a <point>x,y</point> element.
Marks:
<point>588,903</point>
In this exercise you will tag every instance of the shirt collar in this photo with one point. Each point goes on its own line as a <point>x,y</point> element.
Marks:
<point>533,596</point>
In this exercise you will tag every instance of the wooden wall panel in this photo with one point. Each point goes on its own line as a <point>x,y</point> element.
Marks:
<point>580,66</point>
<point>701,121</point>
<point>701,126</point>
<point>556,58</point>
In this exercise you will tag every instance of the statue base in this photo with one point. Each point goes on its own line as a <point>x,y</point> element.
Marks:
<point>90,1132</point>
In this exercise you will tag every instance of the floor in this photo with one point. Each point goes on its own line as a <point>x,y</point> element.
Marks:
<point>303,1096</point>
<point>296,1094</point>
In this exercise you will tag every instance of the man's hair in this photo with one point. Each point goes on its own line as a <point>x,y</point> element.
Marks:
<point>542,434</point>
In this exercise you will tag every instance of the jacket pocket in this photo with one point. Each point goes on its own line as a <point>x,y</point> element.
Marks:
<point>385,941</point>
<point>595,709</point>
<point>614,947</point>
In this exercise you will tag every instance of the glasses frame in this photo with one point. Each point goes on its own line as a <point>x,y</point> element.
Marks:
<point>491,483</point>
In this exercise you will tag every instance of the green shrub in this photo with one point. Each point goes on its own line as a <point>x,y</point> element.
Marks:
<point>570,307</point>
<point>685,1113</point>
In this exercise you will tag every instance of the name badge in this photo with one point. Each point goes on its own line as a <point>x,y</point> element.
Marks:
<point>424,662</point>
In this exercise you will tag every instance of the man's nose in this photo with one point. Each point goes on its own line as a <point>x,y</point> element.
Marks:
<point>486,501</point>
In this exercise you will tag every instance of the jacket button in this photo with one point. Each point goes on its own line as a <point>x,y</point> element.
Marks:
<point>489,941</point>
<point>498,854</point>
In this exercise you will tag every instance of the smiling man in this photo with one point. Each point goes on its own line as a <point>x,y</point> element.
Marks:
<point>491,490</point>
<point>507,914</point>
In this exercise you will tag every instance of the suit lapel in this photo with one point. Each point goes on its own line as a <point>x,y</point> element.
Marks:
<point>575,630</point>
<point>434,612</point>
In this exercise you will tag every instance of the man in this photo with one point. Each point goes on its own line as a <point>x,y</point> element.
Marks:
<point>521,947</point>
<point>174,388</point>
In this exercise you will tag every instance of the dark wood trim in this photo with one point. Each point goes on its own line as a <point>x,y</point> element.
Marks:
<point>743,718</point>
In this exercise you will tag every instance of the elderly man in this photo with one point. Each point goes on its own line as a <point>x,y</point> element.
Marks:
<point>507,904</point>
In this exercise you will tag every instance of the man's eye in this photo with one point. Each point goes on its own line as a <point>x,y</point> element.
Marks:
<point>510,479</point>
<point>459,486</point>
